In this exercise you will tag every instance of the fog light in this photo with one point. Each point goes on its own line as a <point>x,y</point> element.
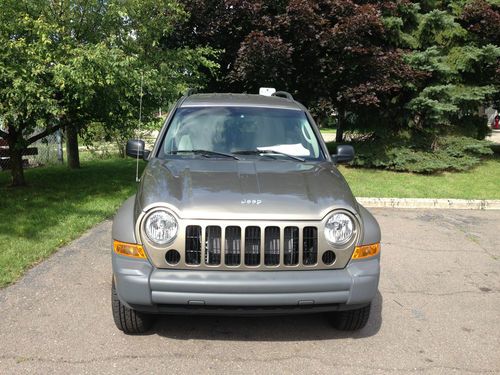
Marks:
<point>172,257</point>
<point>366,251</point>
<point>129,249</point>
<point>328,257</point>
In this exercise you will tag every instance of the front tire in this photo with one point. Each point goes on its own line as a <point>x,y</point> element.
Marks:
<point>127,320</point>
<point>351,320</point>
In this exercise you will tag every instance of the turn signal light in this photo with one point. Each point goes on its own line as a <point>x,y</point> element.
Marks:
<point>366,251</point>
<point>129,249</point>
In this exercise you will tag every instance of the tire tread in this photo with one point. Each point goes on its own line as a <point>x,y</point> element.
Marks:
<point>128,320</point>
<point>351,320</point>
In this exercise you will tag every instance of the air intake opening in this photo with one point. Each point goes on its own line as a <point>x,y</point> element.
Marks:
<point>272,246</point>
<point>252,246</point>
<point>310,243</point>
<point>233,246</point>
<point>213,245</point>
<point>291,244</point>
<point>193,244</point>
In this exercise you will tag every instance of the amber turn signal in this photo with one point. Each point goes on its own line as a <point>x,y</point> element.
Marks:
<point>366,251</point>
<point>129,249</point>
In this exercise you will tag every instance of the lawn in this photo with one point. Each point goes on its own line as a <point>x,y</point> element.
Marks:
<point>482,182</point>
<point>57,207</point>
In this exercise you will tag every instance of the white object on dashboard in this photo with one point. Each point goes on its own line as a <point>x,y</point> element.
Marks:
<point>267,91</point>
<point>294,149</point>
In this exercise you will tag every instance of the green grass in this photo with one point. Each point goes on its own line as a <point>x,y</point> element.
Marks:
<point>56,207</point>
<point>328,130</point>
<point>482,182</point>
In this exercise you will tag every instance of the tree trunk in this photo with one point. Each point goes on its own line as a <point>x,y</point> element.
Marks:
<point>339,136</point>
<point>72,147</point>
<point>16,168</point>
<point>15,160</point>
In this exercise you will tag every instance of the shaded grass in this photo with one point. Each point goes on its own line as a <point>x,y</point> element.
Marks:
<point>56,207</point>
<point>481,182</point>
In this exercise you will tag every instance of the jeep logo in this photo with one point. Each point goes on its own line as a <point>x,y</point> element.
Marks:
<point>251,201</point>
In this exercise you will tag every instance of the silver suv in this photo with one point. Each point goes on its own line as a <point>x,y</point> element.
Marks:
<point>241,210</point>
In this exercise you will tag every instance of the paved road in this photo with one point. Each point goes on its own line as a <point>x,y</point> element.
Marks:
<point>438,312</point>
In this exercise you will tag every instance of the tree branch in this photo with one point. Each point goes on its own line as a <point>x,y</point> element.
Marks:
<point>42,134</point>
<point>3,134</point>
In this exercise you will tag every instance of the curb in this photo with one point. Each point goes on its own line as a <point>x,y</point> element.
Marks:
<point>456,204</point>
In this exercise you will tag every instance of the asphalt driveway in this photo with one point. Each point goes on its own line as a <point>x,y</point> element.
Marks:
<point>438,311</point>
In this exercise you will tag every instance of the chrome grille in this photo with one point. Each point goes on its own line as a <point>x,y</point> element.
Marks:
<point>266,246</point>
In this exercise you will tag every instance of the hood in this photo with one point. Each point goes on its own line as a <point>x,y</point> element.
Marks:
<point>245,189</point>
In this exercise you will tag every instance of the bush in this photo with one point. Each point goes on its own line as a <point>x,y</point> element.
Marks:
<point>450,153</point>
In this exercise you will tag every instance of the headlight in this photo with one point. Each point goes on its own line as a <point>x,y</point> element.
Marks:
<point>161,227</point>
<point>339,229</point>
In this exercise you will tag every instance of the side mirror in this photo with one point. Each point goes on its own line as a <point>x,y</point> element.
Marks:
<point>345,154</point>
<point>135,148</point>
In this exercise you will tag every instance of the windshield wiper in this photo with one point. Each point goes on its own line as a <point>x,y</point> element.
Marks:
<point>267,153</point>
<point>205,153</point>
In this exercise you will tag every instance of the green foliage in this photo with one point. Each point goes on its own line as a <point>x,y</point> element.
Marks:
<point>72,63</point>
<point>449,153</point>
<point>461,70</point>
<point>439,28</point>
<point>26,100</point>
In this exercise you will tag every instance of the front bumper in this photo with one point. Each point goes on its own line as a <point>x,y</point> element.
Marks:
<point>146,288</point>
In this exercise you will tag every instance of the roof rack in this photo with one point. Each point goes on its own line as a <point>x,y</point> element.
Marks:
<point>283,94</point>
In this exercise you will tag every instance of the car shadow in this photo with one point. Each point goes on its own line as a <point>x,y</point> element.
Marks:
<point>273,328</point>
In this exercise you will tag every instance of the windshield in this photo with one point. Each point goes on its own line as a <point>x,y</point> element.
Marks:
<point>232,130</point>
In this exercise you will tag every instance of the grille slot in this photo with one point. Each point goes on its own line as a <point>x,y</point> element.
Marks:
<point>193,244</point>
<point>213,245</point>
<point>310,246</point>
<point>291,246</point>
<point>252,246</point>
<point>233,246</point>
<point>272,246</point>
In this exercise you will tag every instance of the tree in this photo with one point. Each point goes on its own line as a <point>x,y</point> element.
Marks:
<point>27,102</point>
<point>222,25</point>
<point>333,55</point>
<point>67,64</point>
<point>462,68</point>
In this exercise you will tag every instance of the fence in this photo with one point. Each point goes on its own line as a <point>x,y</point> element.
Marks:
<point>49,150</point>
<point>45,151</point>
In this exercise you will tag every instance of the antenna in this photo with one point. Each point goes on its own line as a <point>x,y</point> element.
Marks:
<point>137,179</point>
